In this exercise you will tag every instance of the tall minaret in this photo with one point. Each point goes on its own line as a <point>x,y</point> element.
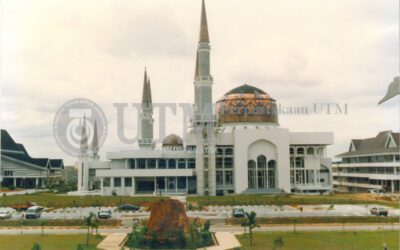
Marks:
<point>83,162</point>
<point>84,140</point>
<point>146,116</point>
<point>203,80</point>
<point>204,120</point>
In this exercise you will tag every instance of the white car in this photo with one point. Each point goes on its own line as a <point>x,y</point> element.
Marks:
<point>5,214</point>
<point>104,214</point>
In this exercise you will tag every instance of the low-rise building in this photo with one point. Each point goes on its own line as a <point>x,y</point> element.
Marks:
<point>18,169</point>
<point>370,164</point>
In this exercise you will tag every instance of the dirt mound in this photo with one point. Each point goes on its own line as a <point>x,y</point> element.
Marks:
<point>167,216</point>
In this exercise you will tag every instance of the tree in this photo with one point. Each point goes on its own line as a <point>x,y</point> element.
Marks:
<point>42,224</point>
<point>251,224</point>
<point>278,243</point>
<point>96,225</point>
<point>89,223</point>
<point>36,246</point>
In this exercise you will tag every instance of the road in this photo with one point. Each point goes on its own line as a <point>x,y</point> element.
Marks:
<point>234,229</point>
<point>223,212</point>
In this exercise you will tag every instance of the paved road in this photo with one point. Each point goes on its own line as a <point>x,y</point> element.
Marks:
<point>286,228</point>
<point>222,212</point>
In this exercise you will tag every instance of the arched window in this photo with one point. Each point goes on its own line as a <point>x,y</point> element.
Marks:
<point>261,171</point>
<point>271,173</point>
<point>171,163</point>
<point>229,151</point>
<point>291,150</point>
<point>220,151</point>
<point>251,168</point>
<point>320,152</point>
<point>272,164</point>
<point>300,151</point>
<point>162,163</point>
<point>310,151</point>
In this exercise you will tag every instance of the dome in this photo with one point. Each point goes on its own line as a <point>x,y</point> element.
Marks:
<point>247,104</point>
<point>172,140</point>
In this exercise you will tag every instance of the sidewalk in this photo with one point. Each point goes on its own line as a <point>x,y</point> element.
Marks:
<point>232,229</point>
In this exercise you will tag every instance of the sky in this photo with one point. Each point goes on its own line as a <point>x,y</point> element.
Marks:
<point>300,52</point>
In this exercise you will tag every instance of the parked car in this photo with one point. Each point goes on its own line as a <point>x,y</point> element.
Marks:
<point>34,212</point>
<point>104,213</point>
<point>378,211</point>
<point>128,207</point>
<point>377,191</point>
<point>238,212</point>
<point>5,214</point>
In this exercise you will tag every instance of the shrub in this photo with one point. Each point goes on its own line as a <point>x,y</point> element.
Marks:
<point>36,246</point>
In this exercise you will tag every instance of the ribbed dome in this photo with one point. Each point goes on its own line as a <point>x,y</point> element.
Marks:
<point>172,140</point>
<point>247,104</point>
<point>246,89</point>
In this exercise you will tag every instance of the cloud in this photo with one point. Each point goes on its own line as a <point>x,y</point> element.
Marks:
<point>300,52</point>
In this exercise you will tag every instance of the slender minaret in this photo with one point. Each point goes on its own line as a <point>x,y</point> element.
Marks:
<point>84,139</point>
<point>146,116</point>
<point>203,80</point>
<point>203,120</point>
<point>95,143</point>
<point>83,161</point>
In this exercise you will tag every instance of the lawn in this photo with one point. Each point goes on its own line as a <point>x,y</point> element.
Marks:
<point>290,200</point>
<point>56,222</point>
<point>322,240</point>
<point>343,220</point>
<point>47,242</point>
<point>59,201</point>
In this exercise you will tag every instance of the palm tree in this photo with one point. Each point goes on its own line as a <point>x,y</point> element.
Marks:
<point>89,223</point>
<point>251,224</point>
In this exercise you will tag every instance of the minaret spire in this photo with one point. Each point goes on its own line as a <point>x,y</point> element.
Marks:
<point>146,115</point>
<point>95,142</point>
<point>204,38</point>
<point>203,118</point>
<point>84,139</point>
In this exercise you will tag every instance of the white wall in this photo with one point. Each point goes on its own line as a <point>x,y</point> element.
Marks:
<point>244,138</point>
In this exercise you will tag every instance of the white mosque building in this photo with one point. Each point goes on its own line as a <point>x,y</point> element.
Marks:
<point>237,148</point>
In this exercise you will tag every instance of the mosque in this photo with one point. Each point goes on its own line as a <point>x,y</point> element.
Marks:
<point>237,147</point>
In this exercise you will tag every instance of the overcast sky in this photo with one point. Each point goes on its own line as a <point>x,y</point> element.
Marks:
<point>300,52</point>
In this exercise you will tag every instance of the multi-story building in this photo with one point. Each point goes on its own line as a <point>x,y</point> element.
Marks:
<point>239,148</point>
<point>20,170</point>
<point>370,164</point>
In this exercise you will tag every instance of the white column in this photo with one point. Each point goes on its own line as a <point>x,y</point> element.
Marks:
<point>392,182</point>
<point>123,185</point>
<point>36,182</point>
<point>155,185</point>
<point>165,184</point>
<point>316,180</point>
<point>15,182</point>
<point>187,185</point>
<point>111,184</point>
<point>102,186</point>
<point>133,191</point>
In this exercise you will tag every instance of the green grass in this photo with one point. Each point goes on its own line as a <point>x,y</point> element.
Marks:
<point>287,200</point>
<point>322,240</point>
<point>59,201</point>
<point>317,220</point>
<point>55,223</point>
<point>47,242</point>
